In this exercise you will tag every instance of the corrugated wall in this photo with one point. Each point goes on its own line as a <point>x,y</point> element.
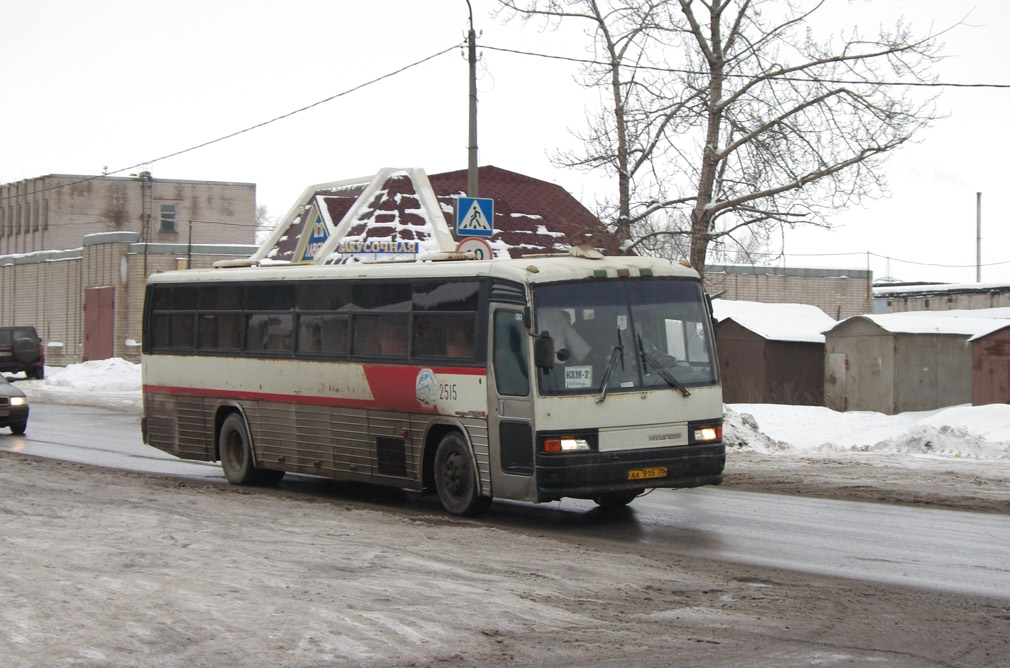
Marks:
<point>46,289</point>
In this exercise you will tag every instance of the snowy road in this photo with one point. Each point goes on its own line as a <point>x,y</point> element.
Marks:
<point>943,550</point>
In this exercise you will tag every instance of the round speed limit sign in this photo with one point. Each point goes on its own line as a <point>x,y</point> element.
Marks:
<point>480,248</point>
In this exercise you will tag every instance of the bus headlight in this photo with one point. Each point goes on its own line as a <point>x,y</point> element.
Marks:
<point>707,433</point>
<point>566,444</point>
<point>18,401</point>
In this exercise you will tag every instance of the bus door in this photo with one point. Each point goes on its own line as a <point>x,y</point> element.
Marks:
<point>510,408</point>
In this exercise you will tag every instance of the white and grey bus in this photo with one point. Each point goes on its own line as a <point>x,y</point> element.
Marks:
<point>528,379</point>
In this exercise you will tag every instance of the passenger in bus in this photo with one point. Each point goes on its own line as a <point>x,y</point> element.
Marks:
<point>393,336</point>
<point>316,340</point>
<point>568,343</point>
<point>459,342</point>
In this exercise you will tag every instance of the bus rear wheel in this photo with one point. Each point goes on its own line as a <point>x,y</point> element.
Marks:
<point>456,478</point>
<point>235,450</point>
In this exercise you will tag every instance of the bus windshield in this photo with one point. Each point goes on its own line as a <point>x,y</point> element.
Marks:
<point>620,336</point>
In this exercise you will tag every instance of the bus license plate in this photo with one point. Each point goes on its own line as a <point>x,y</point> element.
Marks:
<point>645,474</point>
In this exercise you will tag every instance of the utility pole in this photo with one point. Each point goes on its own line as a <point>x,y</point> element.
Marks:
<point>978,237</point>
<point>471,188</point>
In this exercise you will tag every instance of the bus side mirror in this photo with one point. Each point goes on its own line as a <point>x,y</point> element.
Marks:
<point>543,350</point>
<point>711,309</point>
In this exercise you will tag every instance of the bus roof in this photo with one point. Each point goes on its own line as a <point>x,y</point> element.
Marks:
<point>529,270</point>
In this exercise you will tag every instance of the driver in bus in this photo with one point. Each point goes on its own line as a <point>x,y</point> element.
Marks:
<point>568,343</point>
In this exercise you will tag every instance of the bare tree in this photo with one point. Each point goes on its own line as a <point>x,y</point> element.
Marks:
<point>264,223</point>
<point>727,119</point>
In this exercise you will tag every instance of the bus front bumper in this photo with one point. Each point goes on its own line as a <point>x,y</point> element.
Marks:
<point>586,475</point>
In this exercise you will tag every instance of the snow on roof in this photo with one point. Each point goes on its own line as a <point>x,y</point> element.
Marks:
<point>995,312</point>
<point>927,288</point>
<point>776,322</point>
<point>907,323</point>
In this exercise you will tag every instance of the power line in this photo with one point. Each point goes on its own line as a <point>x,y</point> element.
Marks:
<point>587,61</point>
<point>258,125</point>
<point>941,266</point>
<point>864,254</point>
<point>296,111</point>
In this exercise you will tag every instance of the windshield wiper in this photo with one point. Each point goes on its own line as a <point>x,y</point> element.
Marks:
<point>649,360</point>
<point>616,354</point>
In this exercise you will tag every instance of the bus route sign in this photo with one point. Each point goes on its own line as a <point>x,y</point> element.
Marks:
<point>474,216</point>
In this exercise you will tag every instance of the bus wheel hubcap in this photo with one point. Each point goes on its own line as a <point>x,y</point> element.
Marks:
<point>454,476</point>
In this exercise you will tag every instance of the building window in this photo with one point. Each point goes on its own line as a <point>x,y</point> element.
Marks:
<point>168,218</point>
<point>3,222</point>
<point>45,214</point>
<point>35,216</point>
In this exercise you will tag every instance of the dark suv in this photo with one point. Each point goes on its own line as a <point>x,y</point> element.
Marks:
<point>21,350</point>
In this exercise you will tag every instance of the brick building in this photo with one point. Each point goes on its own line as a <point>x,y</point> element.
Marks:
<point>901,297</point>
<point>56,212</point>
<point>840,293</point>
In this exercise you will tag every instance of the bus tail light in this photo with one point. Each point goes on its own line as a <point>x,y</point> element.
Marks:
<point>566,444</point>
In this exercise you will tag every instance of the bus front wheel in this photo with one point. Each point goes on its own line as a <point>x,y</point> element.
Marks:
<point>456,479</point>
<point>236,455</point>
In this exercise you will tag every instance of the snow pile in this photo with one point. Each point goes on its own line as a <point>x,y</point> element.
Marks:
<point>977,432</point>
<point>112,382</point>
<point>111,375</point>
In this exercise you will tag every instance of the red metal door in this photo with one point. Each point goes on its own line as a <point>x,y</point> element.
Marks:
<point>992,386</point>
<point>99,323</point>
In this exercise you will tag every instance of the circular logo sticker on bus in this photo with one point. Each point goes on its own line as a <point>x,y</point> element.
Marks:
<point>426,388</point>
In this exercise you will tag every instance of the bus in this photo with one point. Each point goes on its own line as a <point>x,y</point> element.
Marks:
<point>528,379</point>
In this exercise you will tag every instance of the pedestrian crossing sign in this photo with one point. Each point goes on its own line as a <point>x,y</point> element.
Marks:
<point>474,217</point>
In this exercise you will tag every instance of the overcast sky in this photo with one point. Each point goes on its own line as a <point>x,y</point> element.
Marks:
<point>116,84</point>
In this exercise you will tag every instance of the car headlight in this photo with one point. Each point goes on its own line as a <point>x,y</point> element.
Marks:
<point>18,401</point>
<point>707,433</point>
<point>566,444</point>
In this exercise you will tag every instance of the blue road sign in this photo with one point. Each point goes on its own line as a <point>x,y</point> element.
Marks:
<point>474,217</point>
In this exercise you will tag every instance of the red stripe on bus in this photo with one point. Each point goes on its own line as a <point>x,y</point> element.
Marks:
<point>243,395</point>
<point>393,388</point>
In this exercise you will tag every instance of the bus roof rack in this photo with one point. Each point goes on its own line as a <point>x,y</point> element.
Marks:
<point>586,252</point>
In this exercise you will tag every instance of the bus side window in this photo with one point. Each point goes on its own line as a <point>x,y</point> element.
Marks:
<point>510,369</point>
<point>444,335</point>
